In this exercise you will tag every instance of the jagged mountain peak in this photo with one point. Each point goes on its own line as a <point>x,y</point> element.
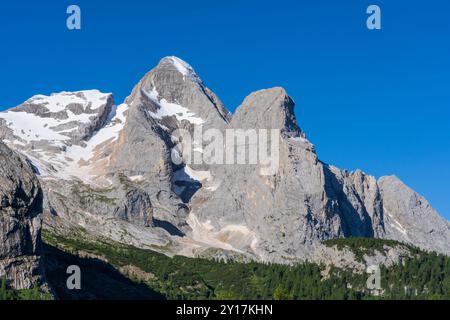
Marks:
<point>390,179</point>
<point>180,65</point>
<point>120,159</point>
<point>173,90</point>
<point>169,69</point>
<point>268,109</point>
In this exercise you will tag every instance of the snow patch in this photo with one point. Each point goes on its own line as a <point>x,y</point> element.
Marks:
<point>136,178</point>
<point>197,174</point>
<point>69,161</point>
<point>57,102</point>
<point>31,127</point>
<point>168,109</point>
<point>110,132</point>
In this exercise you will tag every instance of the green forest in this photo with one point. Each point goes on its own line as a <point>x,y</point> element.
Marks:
<point>106,275</point>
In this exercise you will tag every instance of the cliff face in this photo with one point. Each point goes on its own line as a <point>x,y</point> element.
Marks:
<point>110,171</point>
<point>20,221</point>
<point>285,215</point>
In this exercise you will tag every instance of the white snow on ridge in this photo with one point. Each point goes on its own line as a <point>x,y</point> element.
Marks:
<point>182,66</point>
<point>68,163</point>
<point>30,127</point>
<point>153,94</point>
<point>58,101</point>
<point>72,160</point>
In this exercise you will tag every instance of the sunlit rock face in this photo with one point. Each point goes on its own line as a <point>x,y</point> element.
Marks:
<point>108,171</point>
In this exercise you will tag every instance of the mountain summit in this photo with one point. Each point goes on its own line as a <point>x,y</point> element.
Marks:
<point>107,172</point>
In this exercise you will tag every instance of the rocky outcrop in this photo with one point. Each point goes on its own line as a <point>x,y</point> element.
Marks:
<point>169,98</point>
<point>284,217</point>
<point>20,221</point>
<point>411,219</point>
<point>136,208</point>
<point>122,172</point>
<point>271,215</point>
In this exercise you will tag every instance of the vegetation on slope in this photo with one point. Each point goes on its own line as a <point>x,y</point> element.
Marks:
<point>150,275</point>
<point>367,246</point>
<point>29,294</point>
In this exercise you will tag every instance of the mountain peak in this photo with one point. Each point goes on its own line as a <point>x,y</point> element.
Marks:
<point>100,163</point>
<point>174,64</point>
<point>172,90</point>
<point>59,101</point>
<point>270,109</point>
<point>181,66</point>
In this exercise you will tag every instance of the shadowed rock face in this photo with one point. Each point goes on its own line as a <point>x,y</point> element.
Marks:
<point>109,171</point>
<point>20,221</point>
<point>136,208</point>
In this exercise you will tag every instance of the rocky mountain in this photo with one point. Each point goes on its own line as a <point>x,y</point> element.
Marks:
<point>124,173</point>
<point>20,222</point>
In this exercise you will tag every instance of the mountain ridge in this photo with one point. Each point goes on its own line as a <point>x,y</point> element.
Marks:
<point>110,171</point>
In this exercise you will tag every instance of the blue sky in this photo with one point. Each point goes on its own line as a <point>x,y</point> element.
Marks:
<point>375,100</point>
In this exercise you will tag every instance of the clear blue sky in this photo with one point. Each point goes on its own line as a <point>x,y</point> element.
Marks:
<point>375,100</point>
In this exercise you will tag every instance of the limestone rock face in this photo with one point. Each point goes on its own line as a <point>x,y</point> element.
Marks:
<point>117,178</point>
<point>410,218</point>
<point>285,216</point>
<point>136,208</point>
<point>123,172</point>
<point>20,221</point>
<point>169,98</point>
